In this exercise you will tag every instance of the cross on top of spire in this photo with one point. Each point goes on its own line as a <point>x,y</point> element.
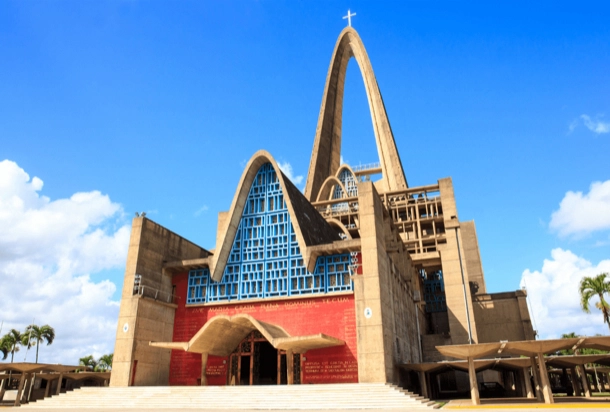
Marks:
<point>349,17</point>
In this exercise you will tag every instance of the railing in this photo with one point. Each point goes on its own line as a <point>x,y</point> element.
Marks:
<point>362,168</point>
<point>155,294</point>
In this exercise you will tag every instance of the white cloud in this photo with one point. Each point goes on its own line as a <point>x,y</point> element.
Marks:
<point>580,214</point>
<point>287,169</point>
<point>48,249</point>
<point>554,299</point>
<point>596,126</point>
<point>201,210</point>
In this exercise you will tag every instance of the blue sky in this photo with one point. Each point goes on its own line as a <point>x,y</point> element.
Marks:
<point>158,106</point>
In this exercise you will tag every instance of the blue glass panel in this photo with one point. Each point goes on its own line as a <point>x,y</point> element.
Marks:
<point>265,259</point>
<point>434,292</point>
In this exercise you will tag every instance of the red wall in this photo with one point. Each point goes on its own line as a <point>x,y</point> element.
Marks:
<point>334,316</point>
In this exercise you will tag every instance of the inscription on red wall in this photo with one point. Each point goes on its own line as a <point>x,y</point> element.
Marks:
<point>331,315</point>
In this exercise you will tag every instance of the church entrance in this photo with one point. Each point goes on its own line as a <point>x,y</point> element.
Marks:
<point>256,362</point>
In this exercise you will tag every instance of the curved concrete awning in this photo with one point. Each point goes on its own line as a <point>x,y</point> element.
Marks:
<point>221,335</point>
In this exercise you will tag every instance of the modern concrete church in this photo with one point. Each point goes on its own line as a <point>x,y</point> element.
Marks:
<point>346,282</point>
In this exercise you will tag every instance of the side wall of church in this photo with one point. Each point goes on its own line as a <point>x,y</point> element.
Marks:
<point>386,314</point>
<point>503,316</point>
<point>333,315</point>
<point>144,315</point>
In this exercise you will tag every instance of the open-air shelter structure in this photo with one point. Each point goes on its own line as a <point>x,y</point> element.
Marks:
<point>519,355</point>
<point>27,372</point>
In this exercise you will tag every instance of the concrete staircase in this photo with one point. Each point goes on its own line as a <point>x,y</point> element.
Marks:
<point>334,396</point>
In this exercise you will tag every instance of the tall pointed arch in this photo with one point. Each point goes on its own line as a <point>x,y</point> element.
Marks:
<point>326,154</point>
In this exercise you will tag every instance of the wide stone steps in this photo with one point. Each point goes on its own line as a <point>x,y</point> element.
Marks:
<point>332,396</point>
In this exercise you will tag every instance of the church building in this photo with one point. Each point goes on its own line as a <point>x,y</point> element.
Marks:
<point>345,282</point>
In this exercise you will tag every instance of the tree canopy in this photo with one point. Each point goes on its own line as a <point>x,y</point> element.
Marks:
<point>34,335</point>
<point>596,286</point>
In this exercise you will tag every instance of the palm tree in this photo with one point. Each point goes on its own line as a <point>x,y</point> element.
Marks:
<point>105,362</point>
<point>35,335</point>
<point>4,348</point>
<point>11,340</point>
<point>88,361</point>
<point>595,286</point>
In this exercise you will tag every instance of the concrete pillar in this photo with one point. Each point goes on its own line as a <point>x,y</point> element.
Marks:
<point>423,384</point>
<point>608,380</point>
<point>204,365</point>
<point>48,388</point>
<point>20,390</point>
<point>474,386</point>
<point>528,384</point>
<point>585,382</point>
<point>27,389</point>
<point>61,377</point>
<point>3,384</point>
<point>575,382</point>
<point>289,366</point>
<point>544,379</point>
<point>536,376</point>
<point>594,382</point>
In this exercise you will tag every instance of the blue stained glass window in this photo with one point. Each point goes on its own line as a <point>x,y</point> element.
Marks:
<point>265,259</point>
<point>434,292</point>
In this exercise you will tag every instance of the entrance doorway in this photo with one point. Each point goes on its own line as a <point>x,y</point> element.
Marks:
<point>256,362</point>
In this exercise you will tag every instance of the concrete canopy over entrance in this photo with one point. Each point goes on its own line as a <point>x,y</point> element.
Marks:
<point>221,334</point>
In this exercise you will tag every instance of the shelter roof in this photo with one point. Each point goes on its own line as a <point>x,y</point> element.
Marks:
<point>78,376</point>
<point>221,335</point>
<point>27,367</point>
<point>569,361</point>
<point>523,348</point>
<point>479,364</point>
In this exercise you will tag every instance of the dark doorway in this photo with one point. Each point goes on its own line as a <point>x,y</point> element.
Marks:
<point>244,376</point>
<point>267,364</point>
<point>254,362</point>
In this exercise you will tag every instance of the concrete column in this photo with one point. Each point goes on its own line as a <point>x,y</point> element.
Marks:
<point>544,379</point>
<point>594,382</point>
<point>474,386</point>
<point>48,388</point>
<point>3,386</point>
<point>289,366</point>
<point>20,390</point>
<point>608,380</point>
<point>423,384</point>
<point>528,384</point>
<point>26,390</point>
<point>536,376</point>
<point>585,382</point>
<point>575,382</point>
<point>61,377</point>
<point>204,365</point>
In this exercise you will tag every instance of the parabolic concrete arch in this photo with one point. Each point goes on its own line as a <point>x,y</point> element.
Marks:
<point>326,154</point>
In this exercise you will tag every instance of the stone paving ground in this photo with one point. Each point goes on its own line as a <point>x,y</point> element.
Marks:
<point>460,405</point>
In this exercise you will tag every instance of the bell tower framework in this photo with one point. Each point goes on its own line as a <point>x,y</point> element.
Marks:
<point>326,154</point>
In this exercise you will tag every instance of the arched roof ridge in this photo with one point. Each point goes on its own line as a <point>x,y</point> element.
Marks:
<point>345,166</point>
<point>329,180</point>
<point>337,223</point>
<point>326,153</point>
<point>310,227</point>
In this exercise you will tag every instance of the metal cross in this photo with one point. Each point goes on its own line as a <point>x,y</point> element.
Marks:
<point>349,17</point>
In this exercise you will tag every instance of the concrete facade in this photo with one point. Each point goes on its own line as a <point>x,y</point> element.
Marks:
<point>415,272</point>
